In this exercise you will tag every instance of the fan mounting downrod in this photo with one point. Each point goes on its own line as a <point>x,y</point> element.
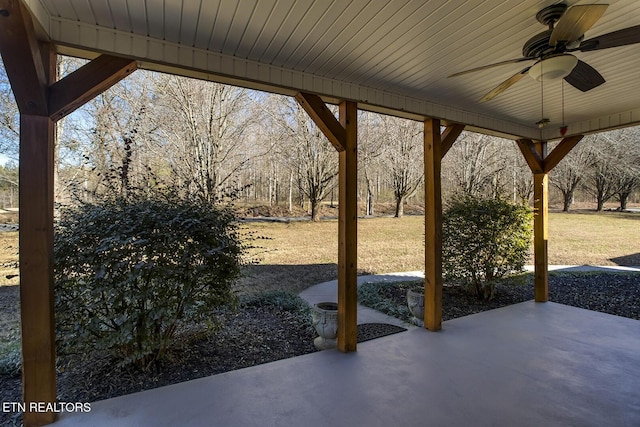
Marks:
<point>550,14</point>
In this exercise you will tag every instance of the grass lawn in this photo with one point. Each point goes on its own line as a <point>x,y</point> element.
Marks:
<point>9,258</point>
<point>299,254</point>
<point>606,238</point>
<point>391,244</point>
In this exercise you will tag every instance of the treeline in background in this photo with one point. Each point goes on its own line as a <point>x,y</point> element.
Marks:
<point>213,140</point>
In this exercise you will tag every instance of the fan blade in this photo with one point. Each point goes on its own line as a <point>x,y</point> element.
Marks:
<point>505,85</point>
<point>497,64</point>
<point>575,22</point>
<point>622,37</point>
<point>584,77</point>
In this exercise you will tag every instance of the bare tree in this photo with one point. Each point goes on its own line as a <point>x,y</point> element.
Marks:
<point>9,119</point>
<point>570,172</point>
<point>9,137</point>
<point>111,140</point>
<point>627,169</point>
<point>206,126</point>
<point>9,185</point>
<point>522,179</point>
<point>308,154</point>
<point>402,158</point>
<point>370,150</point>
<point>479,164</point>
<point>615,166</point>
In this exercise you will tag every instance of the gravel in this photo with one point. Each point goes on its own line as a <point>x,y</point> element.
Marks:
<point>256,335</point>
<point>617,294</point>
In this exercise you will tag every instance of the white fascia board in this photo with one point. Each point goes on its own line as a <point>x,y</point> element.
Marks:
<point>161,55</point>
<point>599,124</point>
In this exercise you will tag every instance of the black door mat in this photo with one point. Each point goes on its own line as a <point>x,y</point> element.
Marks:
<point>371,331</point>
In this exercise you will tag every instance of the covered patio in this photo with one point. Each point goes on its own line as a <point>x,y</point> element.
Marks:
<point>524,365</point>
<point>388,57</point>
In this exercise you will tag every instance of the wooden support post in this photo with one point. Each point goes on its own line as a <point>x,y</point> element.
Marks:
<point>343,134</point>
<point>347,231</point>
<point>541,164</point>
<point>540,229</point>
<point>30,67</point>
<point>433,226</point>
<point>36,265</point>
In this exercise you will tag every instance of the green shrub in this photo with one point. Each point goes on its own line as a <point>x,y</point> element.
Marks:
<point>129,270</point>
<point>383,297</point>
<point>482,240</point>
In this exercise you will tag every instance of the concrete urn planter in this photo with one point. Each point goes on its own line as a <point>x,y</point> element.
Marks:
<point>325,321</point>
<point>415,302</point>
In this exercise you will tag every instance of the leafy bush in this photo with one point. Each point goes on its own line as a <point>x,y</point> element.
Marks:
<point>129,270</point>
<point>482,240</point>
<point>380,296</point>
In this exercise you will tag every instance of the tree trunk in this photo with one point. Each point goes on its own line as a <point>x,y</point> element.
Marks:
<point>600,204</point>
<point>624,196</point>
<point>568,200</point>
<point>315,211</point>
<point>399,207</point>
<point>290,191</point>
<point>369,200</point>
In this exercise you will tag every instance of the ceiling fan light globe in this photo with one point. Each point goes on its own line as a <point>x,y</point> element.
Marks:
<point>553,68</point>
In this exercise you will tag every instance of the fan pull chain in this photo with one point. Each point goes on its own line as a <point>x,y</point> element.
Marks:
<point>562,102</point>
<point>563,128</point>
<point>541,123</point>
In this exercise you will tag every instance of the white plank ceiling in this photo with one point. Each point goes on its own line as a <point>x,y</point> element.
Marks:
<point>388,55</point>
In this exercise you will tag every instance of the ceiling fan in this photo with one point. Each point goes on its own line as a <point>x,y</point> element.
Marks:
<point>551,49</point>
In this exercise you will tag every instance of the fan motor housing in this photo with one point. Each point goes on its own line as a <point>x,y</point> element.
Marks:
<point>537,45</point>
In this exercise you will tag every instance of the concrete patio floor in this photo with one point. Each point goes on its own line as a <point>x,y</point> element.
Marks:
<point>524,365</point>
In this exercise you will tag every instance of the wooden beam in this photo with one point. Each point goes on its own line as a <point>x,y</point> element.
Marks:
<point>541,229</point>
<point>433,226</point>
<point>560,151</point>
<point>37,142</point>
<point>36,265</point>
<point>347,230</point>
<point>86,83</point>
<point>343,135</point>
<point>533,158</point>
<point>324,119</point>
<point>449,136</point>
<point>541,164</point>
<point>31,66</point>
<point>22,58</point>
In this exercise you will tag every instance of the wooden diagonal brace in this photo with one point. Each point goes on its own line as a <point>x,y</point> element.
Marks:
<point>561,150</point>
<point>324,119</point>
<point>86,83</point>
<point>449,136</point>
<point>531,155</point>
